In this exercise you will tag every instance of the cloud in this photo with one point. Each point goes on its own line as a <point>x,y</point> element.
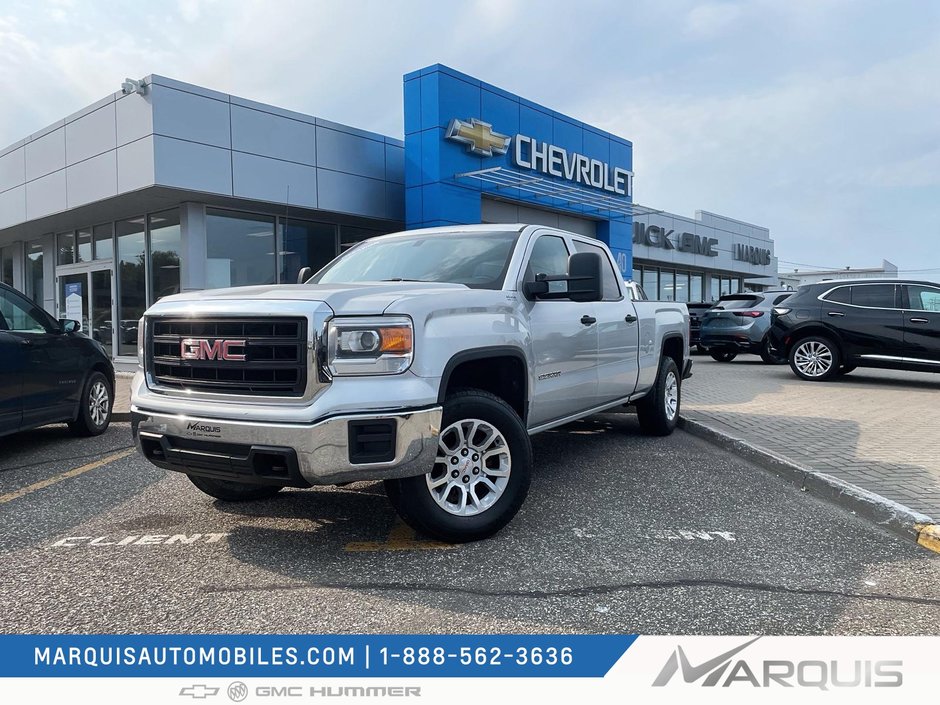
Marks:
<point>711,19</point>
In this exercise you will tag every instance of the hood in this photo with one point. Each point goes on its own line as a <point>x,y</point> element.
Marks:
<point>345,299</point>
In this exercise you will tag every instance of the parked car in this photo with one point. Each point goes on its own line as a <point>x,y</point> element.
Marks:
<point>828,329</point>
<point>740,323</point>
<point>425,359</point>
<point>696,314</point>
<point>49,371</point>
<point>635,291</point>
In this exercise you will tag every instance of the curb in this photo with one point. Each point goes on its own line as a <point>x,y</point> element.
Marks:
<point>901,520</point>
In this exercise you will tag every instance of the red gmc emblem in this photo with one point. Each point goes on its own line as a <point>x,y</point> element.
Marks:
<point>205,349</point>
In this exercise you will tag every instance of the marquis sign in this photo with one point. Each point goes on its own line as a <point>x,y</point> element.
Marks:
<point>549,159</point>
<point>754,255</point>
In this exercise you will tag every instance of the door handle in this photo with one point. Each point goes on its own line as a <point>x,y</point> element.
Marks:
<point>835,314</point>
<point>919,320</point>
<point>630,318</point>
<point>588,320</point>
<point>25,341</point>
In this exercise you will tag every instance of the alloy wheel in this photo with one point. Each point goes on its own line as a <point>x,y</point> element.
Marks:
<point>472,468</point>
<point>98,403</point>
<point>812,358</point>
<point>671,396</point>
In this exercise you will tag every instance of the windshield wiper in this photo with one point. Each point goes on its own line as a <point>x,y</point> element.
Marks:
<point>400,279</point>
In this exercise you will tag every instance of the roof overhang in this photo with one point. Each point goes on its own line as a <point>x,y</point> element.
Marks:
<point>551,192</point>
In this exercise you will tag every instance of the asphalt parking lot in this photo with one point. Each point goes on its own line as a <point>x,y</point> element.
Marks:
<point>620,533</point>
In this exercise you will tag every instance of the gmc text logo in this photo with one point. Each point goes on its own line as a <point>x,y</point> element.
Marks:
<point>205,349</point>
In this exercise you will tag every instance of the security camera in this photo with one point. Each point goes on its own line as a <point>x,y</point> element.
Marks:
<point>131,86</point>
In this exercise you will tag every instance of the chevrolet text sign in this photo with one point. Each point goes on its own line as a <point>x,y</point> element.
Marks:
<point>530,153</point>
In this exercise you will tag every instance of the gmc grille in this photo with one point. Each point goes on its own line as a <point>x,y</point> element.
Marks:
<point>274,349</point>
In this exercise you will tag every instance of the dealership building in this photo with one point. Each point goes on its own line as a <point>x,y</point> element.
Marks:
<point>164,187</point>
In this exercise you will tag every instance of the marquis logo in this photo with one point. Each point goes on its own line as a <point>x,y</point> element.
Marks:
<point>724,670</point>
<point>478,136</point>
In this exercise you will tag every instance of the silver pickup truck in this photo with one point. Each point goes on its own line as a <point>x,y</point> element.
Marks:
<point>424,358</point>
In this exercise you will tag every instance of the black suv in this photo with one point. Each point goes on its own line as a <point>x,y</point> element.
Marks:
<point>49,371</point>
<point>829,329</point>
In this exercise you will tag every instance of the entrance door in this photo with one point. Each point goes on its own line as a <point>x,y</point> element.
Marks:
<point>86,294</point>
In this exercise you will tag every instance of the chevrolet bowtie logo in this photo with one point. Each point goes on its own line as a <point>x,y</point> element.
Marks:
<point>478,136</point>
<point>199,691</point>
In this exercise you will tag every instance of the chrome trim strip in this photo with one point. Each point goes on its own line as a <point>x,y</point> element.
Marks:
<point>909,360</point>
<point>582,414</point>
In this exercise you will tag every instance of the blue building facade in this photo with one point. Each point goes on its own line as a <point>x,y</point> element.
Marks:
<point>468,143</point>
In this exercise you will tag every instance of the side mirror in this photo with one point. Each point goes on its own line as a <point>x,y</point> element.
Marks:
<point>584,277</point>
<point>304,274</point>
<point>67,325</point>
<point>583,280</point>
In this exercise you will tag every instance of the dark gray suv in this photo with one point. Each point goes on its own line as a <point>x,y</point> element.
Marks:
<point>740,323</point>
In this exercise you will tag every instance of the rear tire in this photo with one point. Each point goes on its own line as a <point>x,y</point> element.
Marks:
<point>94,410</point>
<point>815,359</point>
<point>658,411</point>
<point>723,356</point>
<point>229,491</point>
<point>486,444</point>
<point>769,354</point>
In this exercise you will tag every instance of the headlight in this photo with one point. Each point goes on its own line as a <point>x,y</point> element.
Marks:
<point>140,343</point>
<point>782,311</point>
<point>383,345</point>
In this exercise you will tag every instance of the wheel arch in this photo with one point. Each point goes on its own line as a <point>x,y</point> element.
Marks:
<point>501,370</point>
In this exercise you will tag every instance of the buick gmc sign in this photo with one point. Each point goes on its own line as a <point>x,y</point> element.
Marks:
<point>656,236</point>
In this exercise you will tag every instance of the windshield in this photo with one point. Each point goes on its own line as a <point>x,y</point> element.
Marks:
<point>478,260</point>
<point>732,302</point>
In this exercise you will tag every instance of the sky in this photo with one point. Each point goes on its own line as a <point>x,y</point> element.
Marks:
<point>819,119</point>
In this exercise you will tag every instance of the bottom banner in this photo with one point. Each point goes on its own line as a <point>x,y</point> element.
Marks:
<point>465,668</point>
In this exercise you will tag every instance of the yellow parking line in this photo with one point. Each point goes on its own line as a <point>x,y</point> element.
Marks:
<point>23,491</point>
<point>928,536</point>
<point>400,538</point>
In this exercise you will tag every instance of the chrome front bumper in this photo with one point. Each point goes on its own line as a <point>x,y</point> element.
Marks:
<point>322,449</point>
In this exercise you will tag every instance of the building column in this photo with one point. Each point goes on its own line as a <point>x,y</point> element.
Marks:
<point>48,274</point>
<point>19,269</point>
<point>193,245</point>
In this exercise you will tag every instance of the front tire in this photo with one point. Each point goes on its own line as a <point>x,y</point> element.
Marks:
<point>658,411</point>
<point>723,356</point>
<point>480,477</point>
<point>229,491</point>
<point>94,411</point>
<point>815,359</point>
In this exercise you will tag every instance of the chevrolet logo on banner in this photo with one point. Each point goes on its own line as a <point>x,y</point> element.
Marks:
<point>478,136</point>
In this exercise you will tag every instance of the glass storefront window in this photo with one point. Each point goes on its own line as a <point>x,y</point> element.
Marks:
<point>667,285</point>
<point>104,241</point>
<point>34,273</point>
<point>132,281</point>
<point>305,244</point>
<point>83,245</point>
<point>350,236</point>
<point>715,285</point>
<point>240,249</point>
<point>165,245</point>
<point>65,244</point>
<point>6,265</point>
<point>637,275</point>
<point>696,293</point>
<point>682,286</point>
<point>651,283</point>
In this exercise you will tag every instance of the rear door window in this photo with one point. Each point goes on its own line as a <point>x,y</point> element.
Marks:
<point>841,295</point>
<point>874,295</point>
